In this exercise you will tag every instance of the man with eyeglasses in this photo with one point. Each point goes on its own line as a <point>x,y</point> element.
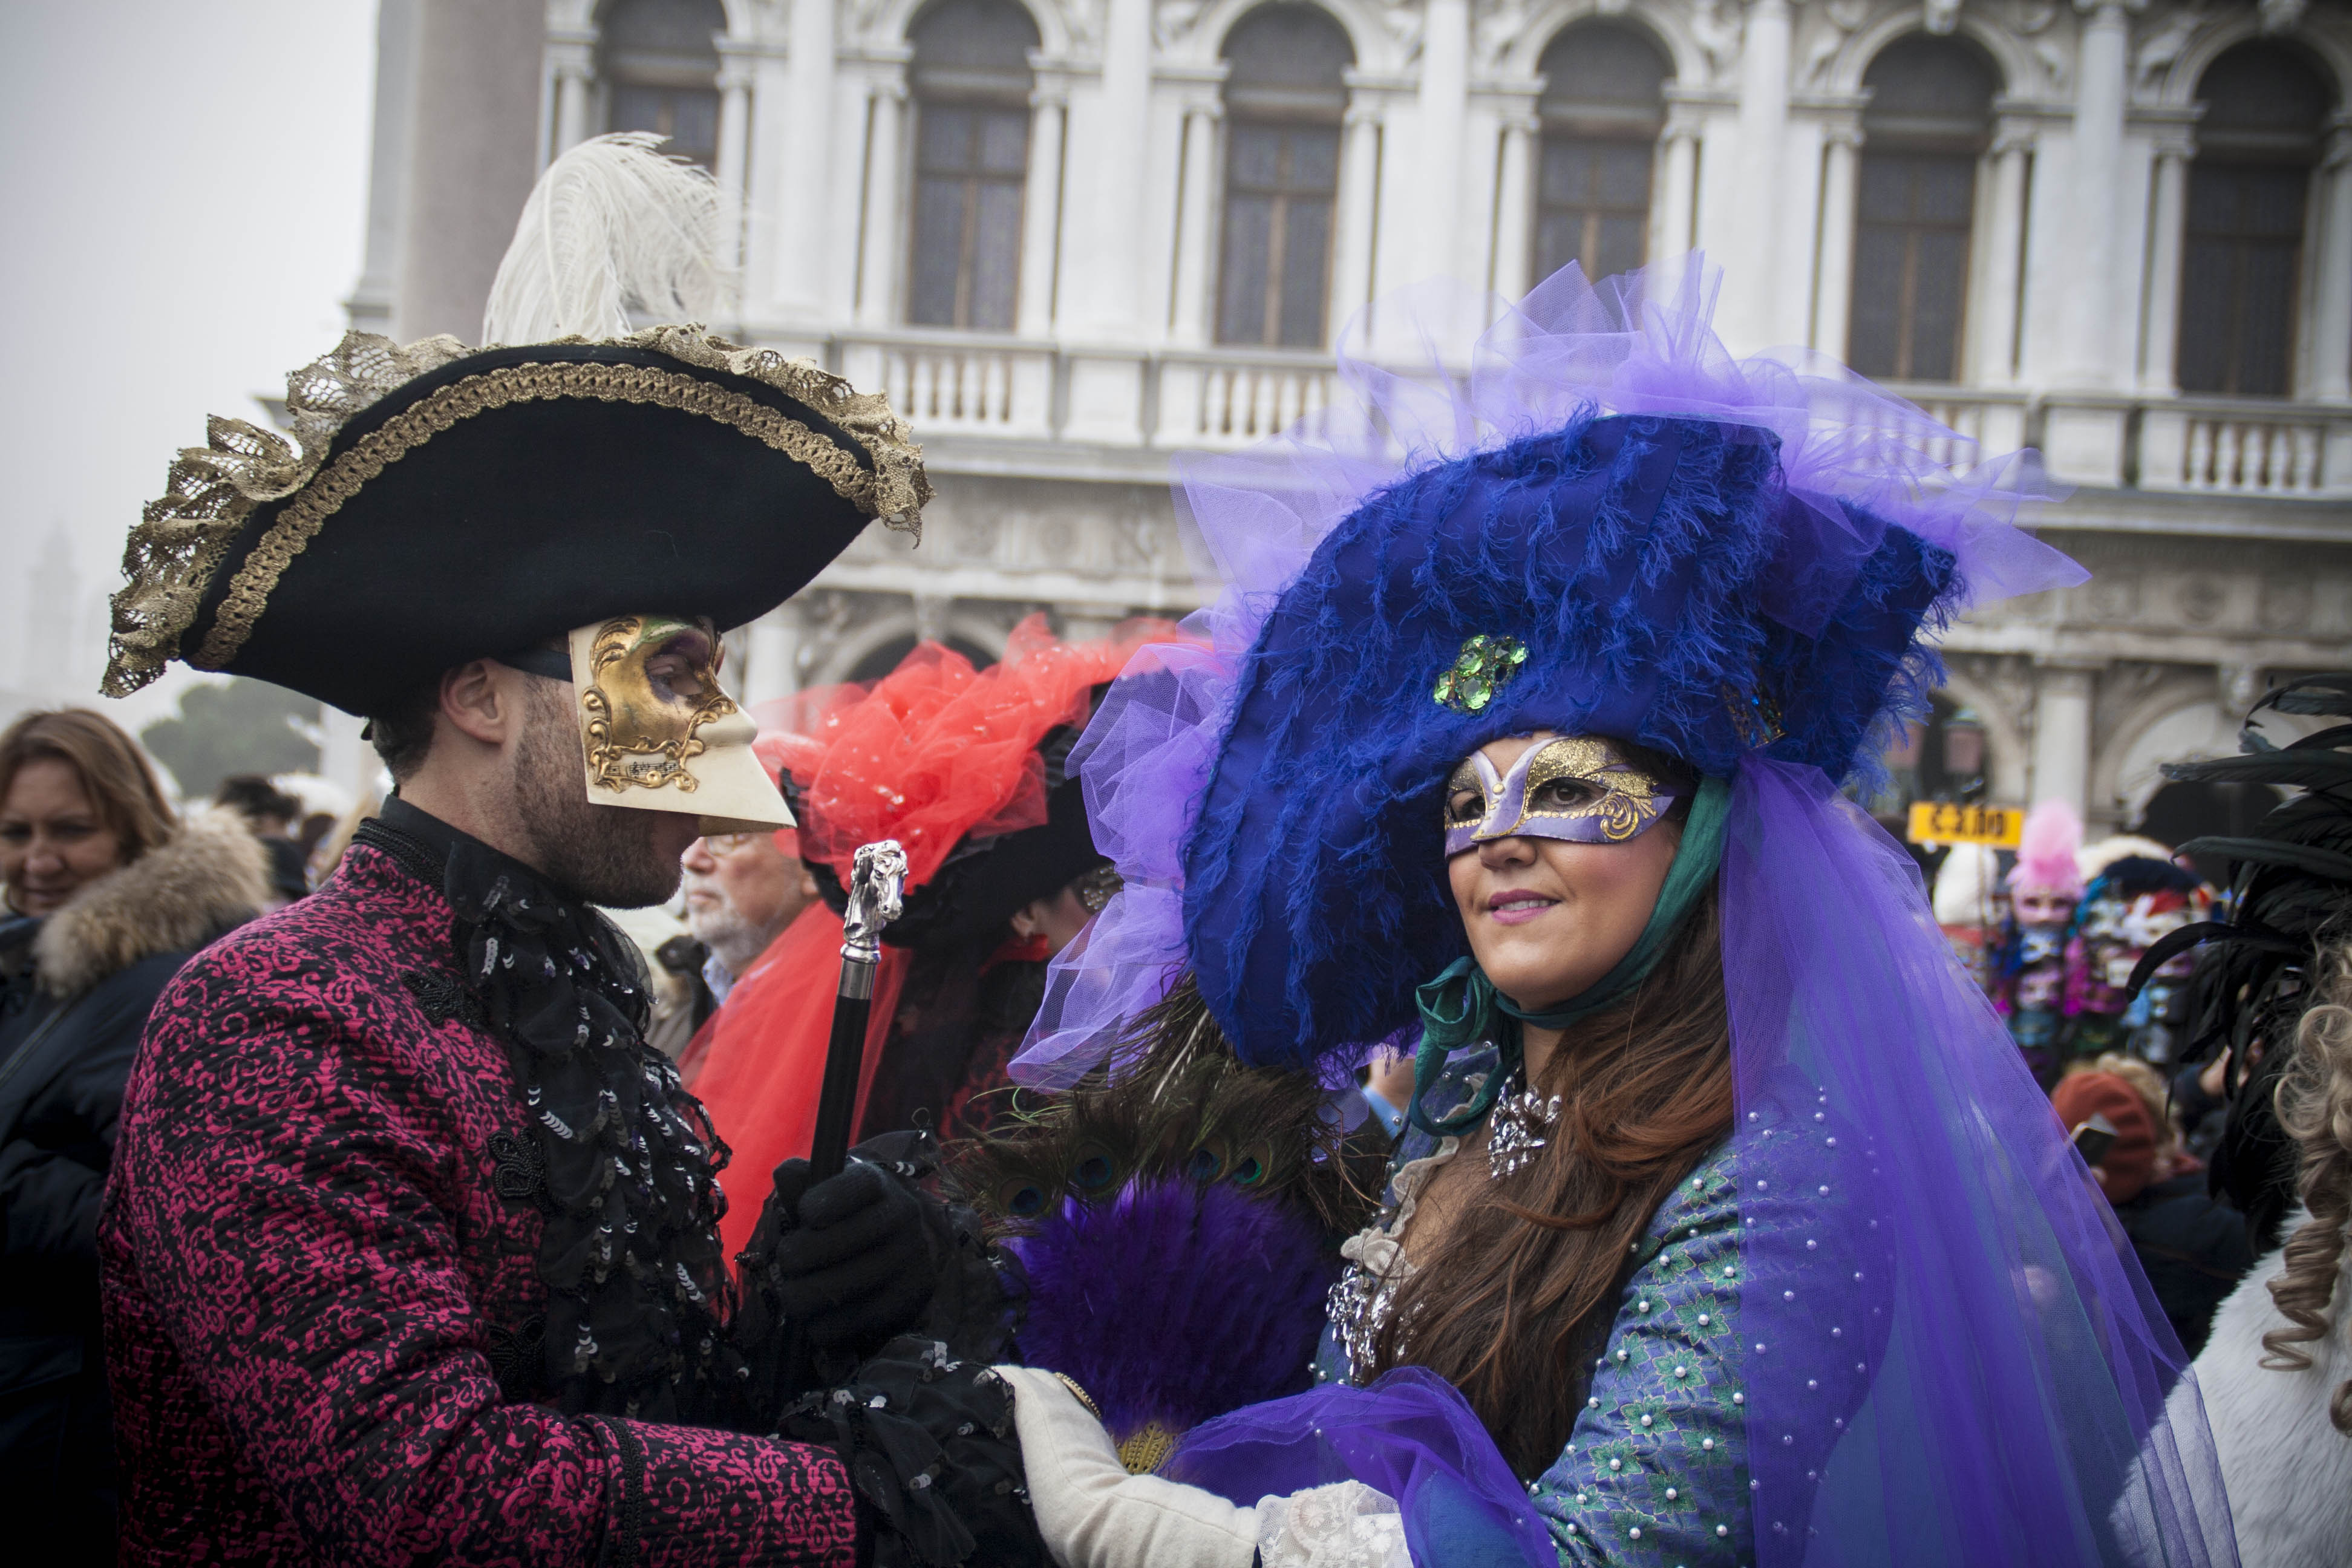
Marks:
<point>742,890</point>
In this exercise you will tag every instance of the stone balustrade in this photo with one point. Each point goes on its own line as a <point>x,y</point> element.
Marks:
<point>968,384</point>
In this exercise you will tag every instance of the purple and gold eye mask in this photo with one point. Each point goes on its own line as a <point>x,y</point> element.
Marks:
<point>1576,788</point>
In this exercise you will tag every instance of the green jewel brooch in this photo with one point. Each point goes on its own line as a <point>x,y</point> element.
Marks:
<point>1485,664</point>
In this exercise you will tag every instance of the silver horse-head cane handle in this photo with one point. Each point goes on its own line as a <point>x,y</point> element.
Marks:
<point>877,882</point>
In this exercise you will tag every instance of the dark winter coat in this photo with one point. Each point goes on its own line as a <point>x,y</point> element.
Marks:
<point>2194,1248</point>
<point>74,991</point>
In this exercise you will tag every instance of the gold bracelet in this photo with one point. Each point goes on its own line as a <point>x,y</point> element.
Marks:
<point>1084,1399</point>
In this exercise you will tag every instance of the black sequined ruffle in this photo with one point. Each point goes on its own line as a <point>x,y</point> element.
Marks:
<point>638,1292</point>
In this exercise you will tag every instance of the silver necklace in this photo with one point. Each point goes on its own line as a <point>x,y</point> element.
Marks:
<point>1520,1127</point>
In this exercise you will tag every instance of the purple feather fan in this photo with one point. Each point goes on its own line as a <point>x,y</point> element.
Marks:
<point>1179,1225</point>
<point>1175,1301</point>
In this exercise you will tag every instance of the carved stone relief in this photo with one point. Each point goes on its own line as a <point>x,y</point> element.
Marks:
<point>2285,604</point>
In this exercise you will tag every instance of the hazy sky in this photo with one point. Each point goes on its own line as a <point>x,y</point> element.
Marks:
<point>184,186</point>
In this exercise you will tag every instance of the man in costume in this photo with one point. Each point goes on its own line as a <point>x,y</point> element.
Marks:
<point>412,1251</point>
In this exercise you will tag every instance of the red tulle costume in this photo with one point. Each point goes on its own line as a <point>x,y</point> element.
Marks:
<point>932,754</point>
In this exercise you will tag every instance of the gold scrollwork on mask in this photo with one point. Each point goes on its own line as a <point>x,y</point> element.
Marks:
<point>639,724</point>
<point>1620,793</point>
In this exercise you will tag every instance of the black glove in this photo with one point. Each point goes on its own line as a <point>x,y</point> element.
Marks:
<point>930,1446</point>
<point>836,1267</point>
<point>857,1265</point>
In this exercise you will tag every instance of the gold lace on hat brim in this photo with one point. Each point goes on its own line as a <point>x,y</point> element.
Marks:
<point>182,538</point>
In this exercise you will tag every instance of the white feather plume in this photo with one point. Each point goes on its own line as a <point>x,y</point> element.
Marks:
<point>611,226</point>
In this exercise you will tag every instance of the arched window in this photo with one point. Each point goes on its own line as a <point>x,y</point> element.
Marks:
<point>1283,100</point>
<point>659,61</point>
<point>971,82</point>
<point>1602,109</point>
<point>2265,112</point>
<point>1929,120</point>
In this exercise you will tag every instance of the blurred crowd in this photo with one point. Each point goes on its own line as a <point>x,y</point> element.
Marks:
<point>2069,940</point>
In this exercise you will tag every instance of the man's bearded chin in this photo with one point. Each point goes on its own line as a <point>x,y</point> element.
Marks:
<point>607,855</point>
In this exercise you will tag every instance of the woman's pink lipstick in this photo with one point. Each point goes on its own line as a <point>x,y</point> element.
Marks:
<point>1517,908</point>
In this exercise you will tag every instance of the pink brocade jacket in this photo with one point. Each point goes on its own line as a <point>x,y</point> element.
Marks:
<point>313,1286</point>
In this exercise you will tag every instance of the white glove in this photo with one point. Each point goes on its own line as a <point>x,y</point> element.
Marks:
<point>1093,1514</point>
<point>1345,1525</point>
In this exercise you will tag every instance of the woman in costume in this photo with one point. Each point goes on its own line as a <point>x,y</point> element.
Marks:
<point>964,768</point>
<point>1730,1228</point>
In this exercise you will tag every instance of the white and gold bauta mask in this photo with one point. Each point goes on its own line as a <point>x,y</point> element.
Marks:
<point>659,734</point>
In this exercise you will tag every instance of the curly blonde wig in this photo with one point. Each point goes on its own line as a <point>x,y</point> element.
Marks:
<point>2314,1105</point>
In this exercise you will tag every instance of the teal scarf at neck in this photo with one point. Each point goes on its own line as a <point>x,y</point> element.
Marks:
<point>1460,1007</point>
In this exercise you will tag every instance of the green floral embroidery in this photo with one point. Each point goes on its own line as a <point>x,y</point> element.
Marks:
<point>1486,663</point>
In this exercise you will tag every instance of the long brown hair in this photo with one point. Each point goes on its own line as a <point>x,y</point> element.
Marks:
<point>114,773</point>
<point>1513,1305</point>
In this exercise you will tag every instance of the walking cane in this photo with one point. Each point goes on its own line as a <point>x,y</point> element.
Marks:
<point>876,893</point>
<point>876,881</point>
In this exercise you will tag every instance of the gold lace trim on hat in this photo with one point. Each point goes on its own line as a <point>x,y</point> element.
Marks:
<point>179,543</point>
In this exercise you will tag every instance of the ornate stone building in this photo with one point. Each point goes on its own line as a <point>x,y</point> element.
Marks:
<point>1070,237</point>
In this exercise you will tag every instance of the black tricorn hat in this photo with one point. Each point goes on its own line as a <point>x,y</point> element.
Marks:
<point>446,505</point>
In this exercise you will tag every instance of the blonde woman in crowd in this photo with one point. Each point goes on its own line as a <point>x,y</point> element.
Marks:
<point>106,893</point>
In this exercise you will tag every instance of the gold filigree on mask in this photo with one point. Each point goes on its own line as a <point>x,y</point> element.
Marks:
<point>1585,776</point>
<point>654,685</point>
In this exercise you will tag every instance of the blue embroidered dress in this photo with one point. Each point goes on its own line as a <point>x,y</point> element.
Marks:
<point>1655,1469</point>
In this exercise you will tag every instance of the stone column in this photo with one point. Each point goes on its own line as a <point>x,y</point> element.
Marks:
<point>1995,357</point>
<point>1833,285</point>
<point>775,662</point>
<point>1195,281</point>
<point>1041,209</point>
<point>2169,201</point>
<point>881,248</point>
<point>2332,307</point>
<point>571,56</point>
<point>369,309</point>
<point>1360,200</point>
<point>2092,273</point>
<point>2062,734</point>
<point>1445,102</point>
<point>932,615</point>
<point>1117,145</point>
<point>803,217</point>
<point>763,194</point>
<point>736,71</point>
<point>1671,223</point>
<point>1515,196</point>
<point>473,153</point>
<point>1752,291</point>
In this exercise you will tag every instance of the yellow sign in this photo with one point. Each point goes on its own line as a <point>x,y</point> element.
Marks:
<point>1941,822</point>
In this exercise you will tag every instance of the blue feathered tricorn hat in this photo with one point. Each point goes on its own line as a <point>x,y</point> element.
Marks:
<point>1596,521</point>
<point>1624,567</point>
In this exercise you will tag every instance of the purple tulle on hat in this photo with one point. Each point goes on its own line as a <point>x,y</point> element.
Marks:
<point>1415,390</point>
